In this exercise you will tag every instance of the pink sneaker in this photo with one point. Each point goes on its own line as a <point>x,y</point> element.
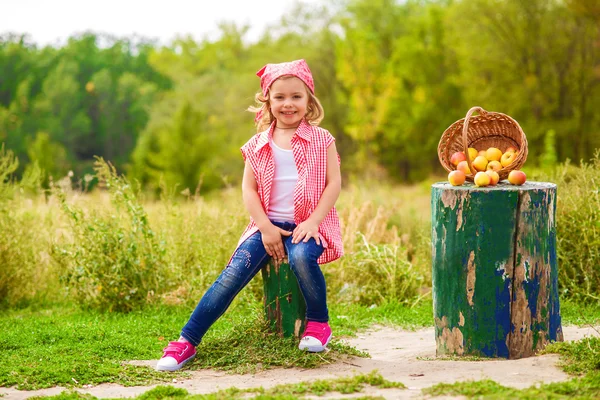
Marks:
<point>175,356</point>
<point>315,337</point>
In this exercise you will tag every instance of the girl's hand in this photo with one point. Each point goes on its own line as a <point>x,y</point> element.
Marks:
<point>305,231</point>
<point>271,238</point>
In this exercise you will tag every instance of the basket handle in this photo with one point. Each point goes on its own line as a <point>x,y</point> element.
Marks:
<point>481,111</point>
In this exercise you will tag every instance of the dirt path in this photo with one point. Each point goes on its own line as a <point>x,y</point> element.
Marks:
<point>398,355</point>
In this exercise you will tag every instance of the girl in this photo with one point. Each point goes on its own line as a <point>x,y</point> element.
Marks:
<point>290,185</point>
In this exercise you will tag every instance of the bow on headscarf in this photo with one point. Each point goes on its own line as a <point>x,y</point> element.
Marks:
<point>271,72</point>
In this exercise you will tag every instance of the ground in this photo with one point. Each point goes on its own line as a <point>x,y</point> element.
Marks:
<point>398,355</point>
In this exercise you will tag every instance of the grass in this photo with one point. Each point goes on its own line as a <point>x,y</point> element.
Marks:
<point>346,385</point>
<point>97,345</point>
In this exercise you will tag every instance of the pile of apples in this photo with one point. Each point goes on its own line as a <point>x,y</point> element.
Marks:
<point>486,163</point>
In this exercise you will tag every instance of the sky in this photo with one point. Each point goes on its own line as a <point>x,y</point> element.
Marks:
<point>51,22</point>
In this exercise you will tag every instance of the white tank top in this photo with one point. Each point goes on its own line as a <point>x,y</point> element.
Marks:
<point>281,202</point>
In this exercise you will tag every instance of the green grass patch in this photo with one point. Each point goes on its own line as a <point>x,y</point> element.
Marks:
<point>349,318</point>
<point>587,387</point>
<point>345,385</point>
<point>573,313</point>
<point>72,347</point>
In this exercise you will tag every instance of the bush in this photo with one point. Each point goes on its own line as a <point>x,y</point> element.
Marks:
<point>578,229</point>
<point>376,273</point>
<point>115,261</point>
<point>23,268</point>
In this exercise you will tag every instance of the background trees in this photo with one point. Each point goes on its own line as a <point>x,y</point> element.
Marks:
<point>391,75</point>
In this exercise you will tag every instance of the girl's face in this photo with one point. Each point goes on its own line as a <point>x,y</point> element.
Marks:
<point>289,101</point>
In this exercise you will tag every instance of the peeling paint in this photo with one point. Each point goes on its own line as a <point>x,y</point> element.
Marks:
<point>507,256</point>
<point>451,341</point>
<point>471,278</point>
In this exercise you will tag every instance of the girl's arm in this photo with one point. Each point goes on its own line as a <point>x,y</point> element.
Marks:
<point>333,187</point>
<point>271,235</point>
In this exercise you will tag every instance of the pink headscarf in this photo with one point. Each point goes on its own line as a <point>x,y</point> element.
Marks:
<point>271,72</point>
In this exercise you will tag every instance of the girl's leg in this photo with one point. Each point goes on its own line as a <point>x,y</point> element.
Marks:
<point>248,259</point>
<point>303,261</point>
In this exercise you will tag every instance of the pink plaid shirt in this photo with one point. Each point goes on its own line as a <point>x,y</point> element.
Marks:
<point>309,147</point>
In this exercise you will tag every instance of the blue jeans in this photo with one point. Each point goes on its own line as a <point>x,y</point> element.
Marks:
<point>247,260</point>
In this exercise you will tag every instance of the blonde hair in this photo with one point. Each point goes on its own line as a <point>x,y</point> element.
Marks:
<point>314,109</point>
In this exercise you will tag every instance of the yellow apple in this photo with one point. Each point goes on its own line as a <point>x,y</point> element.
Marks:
<point>493,154</point>
<point>517,177</point>
<point>508,158</point>
<point>472,153</point>
<point>494,177</point>
<point>482,179</point>
<point>510,150</point>
<point>464,167</point>
<point>494,166</point>
<point>480,163</point>
<point>481,153</point>
<point>457,157</point>
<point>456,178</point>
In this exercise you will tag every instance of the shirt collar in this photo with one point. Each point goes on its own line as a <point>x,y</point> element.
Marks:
<point>304,131</point>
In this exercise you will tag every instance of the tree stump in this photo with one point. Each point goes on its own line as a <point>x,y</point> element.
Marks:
<point>285,308</point>
<point>495,278</point>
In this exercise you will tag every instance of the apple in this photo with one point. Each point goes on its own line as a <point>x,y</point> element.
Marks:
<point>480,163</point>
<point>482,179</point>
<point>494,177</point>
<point>494,166</point>
<point>472,153</point>
<point>508,158</point>
<point>493,154</point>
<point>456,178</point>
<point>510,150</point>
<point>517,177</point>
<point>464,167</point>
<point>481,153</point>
<point>457,157</point>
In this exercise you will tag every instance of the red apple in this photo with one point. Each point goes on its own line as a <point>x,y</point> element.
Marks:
<point>457,157</point>
<point>464,167</point>
<point>456,178</point>
<point>494,165</point>
<point>494,177</point>
<point>517,177</point>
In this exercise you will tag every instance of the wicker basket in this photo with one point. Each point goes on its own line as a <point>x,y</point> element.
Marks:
<point>488,129</point>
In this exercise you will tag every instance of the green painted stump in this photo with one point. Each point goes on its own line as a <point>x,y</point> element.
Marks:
<point>495,279</point>
<point>285,308</point>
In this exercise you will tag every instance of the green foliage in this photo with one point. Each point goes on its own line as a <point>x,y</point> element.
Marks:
<point>115,261</point>
<point>578,228</point>
<point>21,243</point>
<point>383,273</point>
<point>549,157</point>
<point>392,75</point>
<point>49,156</point>
<point>580,357</point>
